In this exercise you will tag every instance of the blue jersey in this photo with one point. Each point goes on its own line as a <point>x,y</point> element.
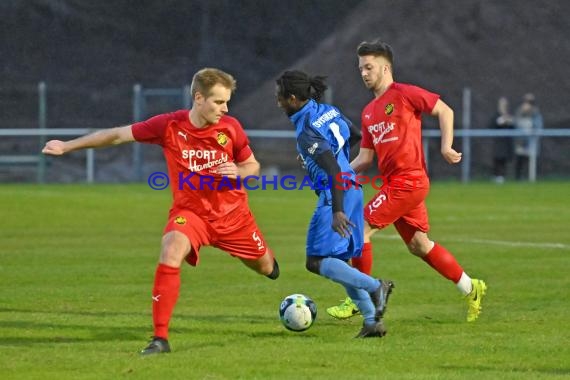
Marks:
<point>321,127</point>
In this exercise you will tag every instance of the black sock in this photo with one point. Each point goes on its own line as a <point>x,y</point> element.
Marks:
<point>275,273</point>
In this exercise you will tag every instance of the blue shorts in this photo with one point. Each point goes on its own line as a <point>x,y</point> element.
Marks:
<point>322,240</point>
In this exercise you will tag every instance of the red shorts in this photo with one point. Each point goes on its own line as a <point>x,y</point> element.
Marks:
<point>405,208</point>
<point>236,233</point>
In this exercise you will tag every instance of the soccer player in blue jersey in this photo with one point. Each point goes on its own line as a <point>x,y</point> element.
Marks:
<point>324,137</point>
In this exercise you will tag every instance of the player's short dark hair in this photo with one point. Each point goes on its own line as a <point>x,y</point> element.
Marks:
<point>377,48</point>
<point>208,77</point>
<point>300,84</point>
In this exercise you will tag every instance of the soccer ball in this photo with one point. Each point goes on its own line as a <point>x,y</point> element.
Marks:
<point>297,312</point>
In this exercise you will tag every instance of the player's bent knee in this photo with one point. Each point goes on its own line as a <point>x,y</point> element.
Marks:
<point>420,246</point>
<point>368,232</point>
<point>175,246</point>
<point>172,258</point>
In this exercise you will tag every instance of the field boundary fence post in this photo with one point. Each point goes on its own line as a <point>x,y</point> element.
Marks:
<point>466,141</point>
<point>42,124</point>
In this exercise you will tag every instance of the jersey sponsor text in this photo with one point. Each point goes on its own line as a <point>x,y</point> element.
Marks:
<point>212,158</point>
<point>325,118</point>
<point>383,128</point>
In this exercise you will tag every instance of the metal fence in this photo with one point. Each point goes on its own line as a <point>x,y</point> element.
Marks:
<point>140,99</point>
<point>466,135</point>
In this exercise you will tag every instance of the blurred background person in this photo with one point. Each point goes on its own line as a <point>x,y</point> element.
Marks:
<point>503,147</point>
<point>528,119</point>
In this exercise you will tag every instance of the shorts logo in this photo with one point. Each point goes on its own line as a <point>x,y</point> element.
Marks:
<point>258,240</point>
<point>180,220</point>
<point>373,206</point>
<point>313,148</point>
<point>389,109</point>
<point>222,138</point>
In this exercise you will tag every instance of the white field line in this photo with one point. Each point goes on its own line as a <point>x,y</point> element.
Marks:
<point>489,242</point>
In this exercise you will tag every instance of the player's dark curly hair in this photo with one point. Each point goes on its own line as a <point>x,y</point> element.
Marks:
<point>300,84</point>
<point>376,48</point>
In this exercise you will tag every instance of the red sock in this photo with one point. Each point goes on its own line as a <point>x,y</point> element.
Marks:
<point>164,297</point>
<point>364,262</point>
<point>443,261</point>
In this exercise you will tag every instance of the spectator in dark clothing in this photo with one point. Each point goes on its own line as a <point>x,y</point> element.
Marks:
<point>503,147</point>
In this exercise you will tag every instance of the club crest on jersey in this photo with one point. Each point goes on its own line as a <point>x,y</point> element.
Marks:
<point>180,220</point>
<point>222,138</point>
<point>389,109</point>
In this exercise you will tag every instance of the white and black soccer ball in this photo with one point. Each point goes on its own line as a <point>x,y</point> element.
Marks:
<point>297,312</point>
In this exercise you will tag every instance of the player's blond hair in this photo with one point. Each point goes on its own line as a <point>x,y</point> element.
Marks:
<point>208,77</point>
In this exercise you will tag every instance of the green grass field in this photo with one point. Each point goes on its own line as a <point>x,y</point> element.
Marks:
<point>77,265</point>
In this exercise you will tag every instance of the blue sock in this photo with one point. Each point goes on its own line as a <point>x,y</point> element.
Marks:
<point>362,299</point>
<point>339,271</point>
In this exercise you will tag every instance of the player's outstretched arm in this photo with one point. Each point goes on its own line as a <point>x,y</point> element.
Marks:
<point>363,160</point>
<point>106,137</point>
<point>445,116</point>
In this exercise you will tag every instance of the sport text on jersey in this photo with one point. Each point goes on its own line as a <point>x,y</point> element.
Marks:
<point>327,116</point>
<point>379,130</point>
<point>200,159</point>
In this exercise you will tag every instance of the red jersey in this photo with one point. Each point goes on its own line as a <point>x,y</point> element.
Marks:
<point>391,125</point>
<point>191,153</point>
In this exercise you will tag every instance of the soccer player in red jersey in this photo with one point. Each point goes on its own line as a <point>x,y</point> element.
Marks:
<point>206,152</point>
<point>391,129</point>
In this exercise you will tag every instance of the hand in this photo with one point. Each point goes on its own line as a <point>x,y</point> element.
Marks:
<point>342,224</point>
<point>54,148</point>
<point>301,162</point>
<point>451,156</point>
<point>227,169</point>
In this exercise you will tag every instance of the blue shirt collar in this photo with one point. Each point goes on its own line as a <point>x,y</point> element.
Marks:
<point>310,106</point>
